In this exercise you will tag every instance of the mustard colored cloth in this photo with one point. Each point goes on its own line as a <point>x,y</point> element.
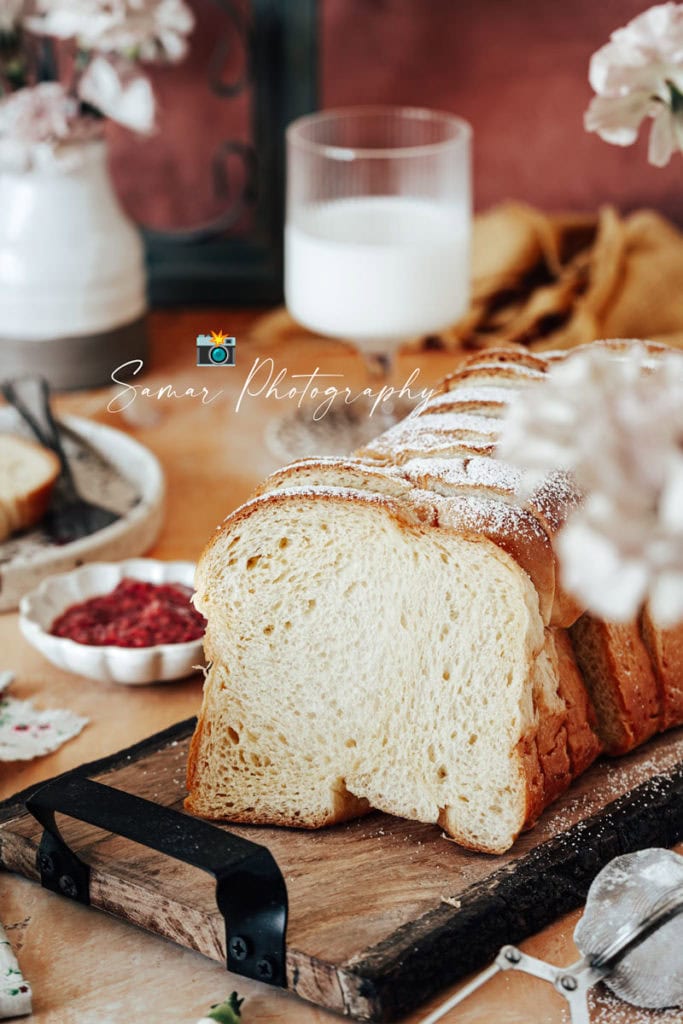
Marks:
<point>552,282</point>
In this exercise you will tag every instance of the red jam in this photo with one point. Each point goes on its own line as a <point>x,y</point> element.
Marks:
<point>135,614</point>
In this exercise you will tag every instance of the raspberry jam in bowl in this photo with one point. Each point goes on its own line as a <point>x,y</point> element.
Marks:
<point>135,613</point>
<point>128,622</point>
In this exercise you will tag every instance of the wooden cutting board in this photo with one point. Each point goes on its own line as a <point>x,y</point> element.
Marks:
<point>382,912</point>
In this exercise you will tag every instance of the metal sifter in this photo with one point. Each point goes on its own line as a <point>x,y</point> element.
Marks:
<point>630,935</point>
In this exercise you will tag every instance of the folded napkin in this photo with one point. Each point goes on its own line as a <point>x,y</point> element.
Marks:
<point>15,991</point>
<point>26,733</point>
<point>552,281</point>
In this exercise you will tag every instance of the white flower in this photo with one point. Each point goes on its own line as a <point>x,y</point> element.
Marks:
<point>117,90</point>
<point>36,124</point>
<point>147,30</point>
<point>639,74</point>
<point>11,12</point>
<point>613,418</point>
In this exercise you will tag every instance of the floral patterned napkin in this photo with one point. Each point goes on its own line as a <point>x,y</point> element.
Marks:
<point>15,991</point>
<point>26,733</point>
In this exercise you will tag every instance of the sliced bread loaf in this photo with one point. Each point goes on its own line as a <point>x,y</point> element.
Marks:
<point>376,633</point>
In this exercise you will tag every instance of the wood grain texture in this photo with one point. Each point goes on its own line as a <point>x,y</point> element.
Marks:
<point>383,912</point>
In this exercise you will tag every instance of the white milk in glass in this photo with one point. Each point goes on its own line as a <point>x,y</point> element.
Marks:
<point>377,269</point>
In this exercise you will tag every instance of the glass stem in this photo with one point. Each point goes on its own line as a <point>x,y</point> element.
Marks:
<point>379,366</point>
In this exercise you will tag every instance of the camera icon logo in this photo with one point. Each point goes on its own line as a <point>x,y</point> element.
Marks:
<point>215,349</point>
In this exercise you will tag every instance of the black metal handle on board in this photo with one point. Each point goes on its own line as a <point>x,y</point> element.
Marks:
<point>250,891</point>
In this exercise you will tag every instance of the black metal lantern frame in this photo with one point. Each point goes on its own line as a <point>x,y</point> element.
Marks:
<point>208,265</point>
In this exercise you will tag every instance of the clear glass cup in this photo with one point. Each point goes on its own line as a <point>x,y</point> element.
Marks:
<point>378,226</point>
<point>377,234</point>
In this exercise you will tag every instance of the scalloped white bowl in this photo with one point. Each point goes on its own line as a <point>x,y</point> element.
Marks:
<point>132,666</point>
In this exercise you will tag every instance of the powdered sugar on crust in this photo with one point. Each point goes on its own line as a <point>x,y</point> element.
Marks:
<point>468,395</point>
<point>491,515</point>
<point>310,491</point>
<point>454,422</point>
<point>326,460</point>
<point>555,499</point>
<point>354,465</point>
<point>517,369</point>
<point>503,375</point>
<point>426,433</point>
<point>428,442</point>
<point>470,471</point>
<point>504,356</point>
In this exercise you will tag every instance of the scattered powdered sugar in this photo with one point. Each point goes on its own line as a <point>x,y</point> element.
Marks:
<point>604,1008</point>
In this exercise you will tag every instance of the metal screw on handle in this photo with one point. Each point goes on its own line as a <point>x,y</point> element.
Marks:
<point>239,948</point>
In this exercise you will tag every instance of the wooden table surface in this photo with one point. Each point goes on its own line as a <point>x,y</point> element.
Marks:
<point>86,967</point>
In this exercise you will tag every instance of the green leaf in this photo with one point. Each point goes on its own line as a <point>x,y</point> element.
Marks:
<point>676,98</point>
<point>227,1012</point>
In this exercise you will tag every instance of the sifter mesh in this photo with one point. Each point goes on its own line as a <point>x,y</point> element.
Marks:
<point>626,892</point>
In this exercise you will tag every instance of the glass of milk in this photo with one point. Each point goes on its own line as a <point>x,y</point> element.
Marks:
<point>377,234</point>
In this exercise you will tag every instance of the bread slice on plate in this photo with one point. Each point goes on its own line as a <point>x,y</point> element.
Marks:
<point>28,473</point>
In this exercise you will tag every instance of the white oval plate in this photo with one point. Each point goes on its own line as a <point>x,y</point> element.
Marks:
<point>28,558</point>
<point>132,666</point>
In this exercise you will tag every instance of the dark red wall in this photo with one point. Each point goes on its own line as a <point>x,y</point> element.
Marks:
<point>516,69</point>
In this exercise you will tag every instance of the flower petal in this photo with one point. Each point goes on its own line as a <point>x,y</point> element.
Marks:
<point>124,97</point>
<point>617,119</point>
<point>614,68</point>
<point>666,599</point>
<point>662,137</point>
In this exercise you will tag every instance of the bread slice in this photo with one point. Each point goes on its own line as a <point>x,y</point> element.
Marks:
<point>337,472</point>
<point>483,400</point>
<point>583,741</point>
<point>28,473</point>
<point>460,442</point>
<point>665,647</point>
<point>437,433</point>
<point>619,676</point>
<point>320,702</point>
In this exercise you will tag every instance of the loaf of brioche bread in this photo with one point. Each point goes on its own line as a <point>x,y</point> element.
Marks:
<point>389,631</point>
